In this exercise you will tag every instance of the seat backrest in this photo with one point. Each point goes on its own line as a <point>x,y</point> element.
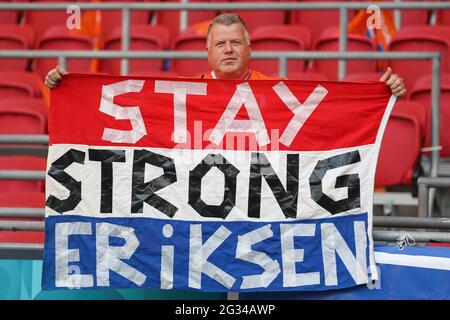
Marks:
<point>190,67</point>
<point>363,76</point>
<point>317,20</point>
<point>27,163</point>
<point>143,38</point>
<point>421,92</point>
<point>400,148</point>
<point>22,199</point>
<point>281,38</point>
<point>15,37</point>
<point>19,84</point>
<point>420,39</point>
<point>329,41</point>
<point>41,20</point>
<point>59,38</point>
<point>258,18</point>
<point>171,19</point>
<point>112,19</point>
<point>10,16</point>
<point>23,116</point>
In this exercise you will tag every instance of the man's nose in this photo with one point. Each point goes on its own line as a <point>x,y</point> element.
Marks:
<point>228,46</point>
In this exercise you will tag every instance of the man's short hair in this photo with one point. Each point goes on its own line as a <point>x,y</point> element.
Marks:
<point>227,19</point>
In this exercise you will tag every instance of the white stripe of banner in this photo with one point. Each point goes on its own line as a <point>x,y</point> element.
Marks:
<point>439,263</point>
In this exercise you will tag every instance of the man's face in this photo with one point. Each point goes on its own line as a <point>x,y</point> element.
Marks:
<point>228,52</point>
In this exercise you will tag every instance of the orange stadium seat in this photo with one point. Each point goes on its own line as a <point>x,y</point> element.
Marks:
<point>190,67</point>
<point>171,19</point>
<point>143,38</point>
<point>400,148</point>
<point>279,38</point>
<point>421,39</point>
<point>23,116</point>
<point>421,92</point>
<point>255,19</point>
<point>23,199</point>
<point>27,163</point>
<point>59,38</point>
<point>329,41</point>
<point>15,37</point>
<point>19,84</point>
<point>10,16</point>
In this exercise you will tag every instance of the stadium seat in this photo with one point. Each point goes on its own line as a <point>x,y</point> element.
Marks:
<point>171,19</point>
<point>400,149</point>
<point>41,20</point>
<point>255,19</point>
<point>59,38</point>
<point>421,92</point>
<point>27,163</point>
<point>307,76</point>
<point>22,199</point>
<point>420,39</point>
<point>190,67</point>
<point>154,74</point>
<point>279,38</point>
<point>414,17</point>
<point>10,16</point>
<point>443,17</point>
<point>15,37</point>
<point>363,76</point>
<point>19,84</point>
<point>143,38</point>
<point>329,41</point>
<point>112,19</point>
<point>23,116</point>
<point>317,21</point>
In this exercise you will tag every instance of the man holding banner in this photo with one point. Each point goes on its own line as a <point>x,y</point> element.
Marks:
<point>147,188</point>
<point>229,52</point>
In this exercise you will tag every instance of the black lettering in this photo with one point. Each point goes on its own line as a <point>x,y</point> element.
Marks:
<point>57,172</point>
<point>195,186</point>
<point>146,191</point>
<point>351,181</point>
<point>286,198</point>
<point>106,157</point>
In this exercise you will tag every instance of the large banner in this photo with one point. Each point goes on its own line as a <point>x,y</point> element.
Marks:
<point>212,185</point>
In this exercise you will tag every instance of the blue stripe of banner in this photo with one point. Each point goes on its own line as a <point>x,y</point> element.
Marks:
<point>146,259</point>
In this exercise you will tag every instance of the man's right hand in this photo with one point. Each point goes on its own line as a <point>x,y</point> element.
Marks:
<point>54,77</point>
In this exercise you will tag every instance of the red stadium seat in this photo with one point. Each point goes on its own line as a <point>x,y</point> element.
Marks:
<point>23,116</point>
<point>171,19</point>
<point>28,163</point>
<point>19,84</point>
<point>363,76</point>
<point>112,19</point>
<point>24,199</point>
<point>41,20</point>
<point>15,37</point>
<point>255,19</point>
<point>143,38</point>
<point>10,16</point>
<point>279,38</point>
<point>59,38</point>
<point>421,92</point>
<point>307,76</point>
<point>414,17</point>
<point>190,67</point>
<point>400,148</point>
<point>317,20</point>
<point>329,41</point>
<point>421,39</point>
<point>154,74</point>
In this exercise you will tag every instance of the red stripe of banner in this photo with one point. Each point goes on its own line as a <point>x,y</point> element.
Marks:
<point>349,115</point>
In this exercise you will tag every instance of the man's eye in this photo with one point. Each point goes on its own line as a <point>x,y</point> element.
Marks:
<point>236,43</point>
<point>219,44</point>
